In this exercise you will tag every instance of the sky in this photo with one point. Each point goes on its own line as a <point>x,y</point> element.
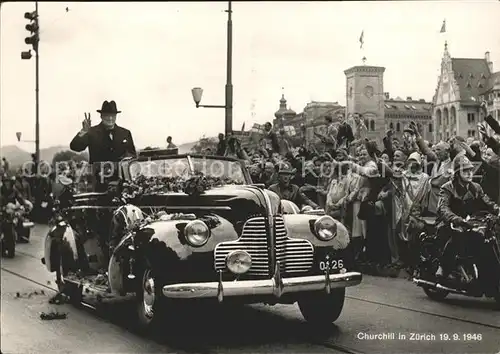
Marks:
<point>148,56</point>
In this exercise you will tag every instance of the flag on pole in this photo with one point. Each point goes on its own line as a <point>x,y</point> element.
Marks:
<point>443,27</point>
<point>361,39</point>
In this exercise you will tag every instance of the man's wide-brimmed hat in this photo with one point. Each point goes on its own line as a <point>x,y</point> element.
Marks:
<point>109,107</point>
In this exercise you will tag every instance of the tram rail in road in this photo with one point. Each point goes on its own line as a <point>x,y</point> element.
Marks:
<point>327,343</point>
<point>375,303</point>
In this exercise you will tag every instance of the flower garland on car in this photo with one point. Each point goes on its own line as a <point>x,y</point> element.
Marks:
<point>193,186</point>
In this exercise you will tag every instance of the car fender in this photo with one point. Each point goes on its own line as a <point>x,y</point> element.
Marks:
<point>170,233</point>
<point>299,226</point>
<point>116,270</point>
<point>161,245</point>
<point>289,207</point>
<point>59,240</point>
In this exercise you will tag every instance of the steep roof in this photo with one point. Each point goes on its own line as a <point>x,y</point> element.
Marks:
<point>472,77</point>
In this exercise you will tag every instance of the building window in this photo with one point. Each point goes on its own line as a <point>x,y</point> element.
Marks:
<point>430,127</point>
<point>391,125</point>
<point>471,118</point>
<point>398,127</point>
<point>471,133</point>
<point>372,125</point>
<point>366,123</point>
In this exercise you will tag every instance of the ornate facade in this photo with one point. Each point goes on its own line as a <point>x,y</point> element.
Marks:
<point>462,85</point>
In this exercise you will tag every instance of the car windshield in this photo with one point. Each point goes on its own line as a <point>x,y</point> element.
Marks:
<point>217,168</point>
<point>179,167</point>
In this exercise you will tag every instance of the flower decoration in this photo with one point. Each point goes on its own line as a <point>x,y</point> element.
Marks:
<point>193,186</point>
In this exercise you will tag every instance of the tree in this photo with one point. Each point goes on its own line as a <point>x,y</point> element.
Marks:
<point>203,144</point>
<point>68,155</point>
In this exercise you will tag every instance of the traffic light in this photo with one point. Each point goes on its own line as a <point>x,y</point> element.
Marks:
<point>34,29</point>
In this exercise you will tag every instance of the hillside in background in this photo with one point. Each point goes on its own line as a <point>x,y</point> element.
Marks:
<point>17,156</point>
<point>185,148</point>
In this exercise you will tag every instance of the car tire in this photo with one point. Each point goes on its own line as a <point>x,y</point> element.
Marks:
<point>322,308</point>
<point>23,235</point>
<point>435,294</point>
<point>9,241</point>
<point>70,289</point>
<point>150,305</point>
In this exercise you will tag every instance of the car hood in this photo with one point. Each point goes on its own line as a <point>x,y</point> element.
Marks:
<point>233,202</point>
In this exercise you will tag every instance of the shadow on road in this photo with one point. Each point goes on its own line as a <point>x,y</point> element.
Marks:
<point>199,327</point>
<point>472,303</point>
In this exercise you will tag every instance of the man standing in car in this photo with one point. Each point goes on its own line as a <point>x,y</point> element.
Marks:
<point>107,142</point>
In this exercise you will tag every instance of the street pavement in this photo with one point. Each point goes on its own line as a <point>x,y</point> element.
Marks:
<point>394,307</point>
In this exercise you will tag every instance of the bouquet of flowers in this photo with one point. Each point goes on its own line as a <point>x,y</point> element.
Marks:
<point>193,186</point>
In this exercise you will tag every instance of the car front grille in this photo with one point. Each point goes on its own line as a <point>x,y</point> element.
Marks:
<point>294,255</point>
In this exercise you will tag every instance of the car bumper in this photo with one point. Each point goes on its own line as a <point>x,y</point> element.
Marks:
<point>276,286</point>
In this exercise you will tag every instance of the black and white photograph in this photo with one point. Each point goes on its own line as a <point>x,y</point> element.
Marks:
<point>250,177</point>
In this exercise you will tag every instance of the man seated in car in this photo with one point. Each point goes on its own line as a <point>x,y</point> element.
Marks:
<point>289,191</point>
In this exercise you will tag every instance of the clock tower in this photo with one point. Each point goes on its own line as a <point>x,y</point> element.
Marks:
<point>365,95</point>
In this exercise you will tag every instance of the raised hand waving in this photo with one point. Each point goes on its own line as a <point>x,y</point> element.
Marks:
<point>86,124</point>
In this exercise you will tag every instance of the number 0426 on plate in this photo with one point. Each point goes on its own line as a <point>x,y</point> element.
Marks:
<point>331,263</point>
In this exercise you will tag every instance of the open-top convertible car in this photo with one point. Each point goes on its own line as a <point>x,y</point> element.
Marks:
<point>190,227</point>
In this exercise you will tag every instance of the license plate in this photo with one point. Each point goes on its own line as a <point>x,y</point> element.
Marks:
<point>44,204</point>
<point>333,264</point>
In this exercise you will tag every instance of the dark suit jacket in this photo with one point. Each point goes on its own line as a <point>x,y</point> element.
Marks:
<point>101,147</point>
<point>344,134</point>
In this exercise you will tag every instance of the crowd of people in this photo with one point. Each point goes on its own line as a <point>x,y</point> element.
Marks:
<point>385,196</point>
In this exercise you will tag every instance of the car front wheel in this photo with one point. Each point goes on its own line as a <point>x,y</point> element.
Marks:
<point>322,308</point>
<point>70,289</point>
<point>150,304</point>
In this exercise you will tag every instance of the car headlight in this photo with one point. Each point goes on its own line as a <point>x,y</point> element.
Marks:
<point>238,262</point>
<point>196,233</point>
<point>325,228</point>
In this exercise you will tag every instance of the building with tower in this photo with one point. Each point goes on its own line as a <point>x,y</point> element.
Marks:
<point>462,85</point>
<point>365,95</point>
<point>310,120</point>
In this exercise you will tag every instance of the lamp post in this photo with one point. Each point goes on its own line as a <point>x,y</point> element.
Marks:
<point>34,28</point>
<point>197,92</point>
